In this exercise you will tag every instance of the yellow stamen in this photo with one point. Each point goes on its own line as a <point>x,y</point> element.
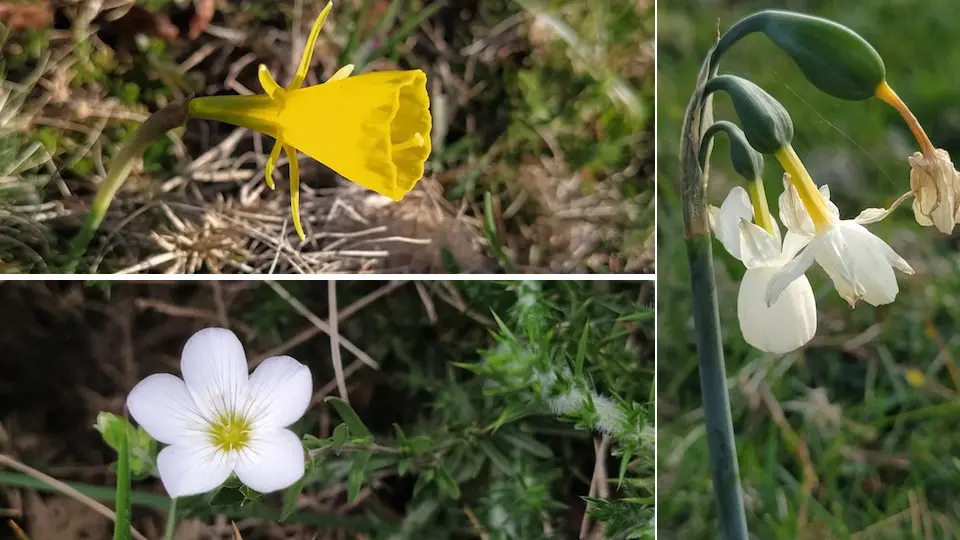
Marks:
<point>229,432</point>
<point>342,73</point>
<point>887,94</point>
<point>413,142</point>
<point>269,85</point>
<point>301,74</point>
<point>271,163</point>
<point>809,194</point>
<point>295,189</point>
<point>761,211</point>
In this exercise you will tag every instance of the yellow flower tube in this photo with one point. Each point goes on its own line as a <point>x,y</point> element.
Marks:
<point>373,129</point>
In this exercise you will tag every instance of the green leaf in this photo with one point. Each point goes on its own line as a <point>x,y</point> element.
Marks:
<point>448,486</point>
<point>582,350</point>
<point>339,437</point>
<point>227,496</point>
<point>349,416</point>
<point>528,444</point>
<point>121,530</point>
<point>358,473</point>
<point>291,495</point>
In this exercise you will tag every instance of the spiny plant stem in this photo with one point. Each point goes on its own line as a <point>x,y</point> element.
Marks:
<point>156,126</point>
<point>713,379</point>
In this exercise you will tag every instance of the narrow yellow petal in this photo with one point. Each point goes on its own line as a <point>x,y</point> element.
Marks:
<point>295,189</point>
<point>301,74</point>
<point>271,163</point>
<point>342,73</point>
<point>267,82</point>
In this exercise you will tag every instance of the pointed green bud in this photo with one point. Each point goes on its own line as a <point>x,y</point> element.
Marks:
<point>746,161</point>
<point>833,57</point>
<point>766,124</point>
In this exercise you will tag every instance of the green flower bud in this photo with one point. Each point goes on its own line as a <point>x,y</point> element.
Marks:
<point>766,124</point>
<point>831,56</point>
<point>746,161</point>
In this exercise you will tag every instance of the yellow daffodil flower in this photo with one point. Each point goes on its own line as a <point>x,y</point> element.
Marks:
<point>373,129</point>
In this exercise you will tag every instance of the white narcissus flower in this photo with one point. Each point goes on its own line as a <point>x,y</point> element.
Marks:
<point>859,263</point>
<point>791,321</point>
<point>936,186</point>
<point>218,421</point>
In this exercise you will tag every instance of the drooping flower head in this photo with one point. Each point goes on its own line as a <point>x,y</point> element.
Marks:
<point>372,129</point>
<point>859,263</point>
<point>789,322</point>
<point>218,421</point>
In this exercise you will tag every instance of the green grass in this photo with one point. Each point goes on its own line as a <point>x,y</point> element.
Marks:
<point>833,441</point>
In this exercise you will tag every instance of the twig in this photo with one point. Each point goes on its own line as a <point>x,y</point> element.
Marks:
<point>322,325</point>
<point>311,331</point>
<point>335,339</point>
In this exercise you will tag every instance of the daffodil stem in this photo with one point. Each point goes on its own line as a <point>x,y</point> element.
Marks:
<point>886,93</point>
<point>718,419</point>
<point>156,126</point>
<point>806,188</point>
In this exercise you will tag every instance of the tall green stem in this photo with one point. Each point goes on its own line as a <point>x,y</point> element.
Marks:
<point>713,380</point>
<point>156,126</point>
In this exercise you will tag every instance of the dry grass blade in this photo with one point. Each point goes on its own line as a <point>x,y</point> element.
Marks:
<point>335,340</point>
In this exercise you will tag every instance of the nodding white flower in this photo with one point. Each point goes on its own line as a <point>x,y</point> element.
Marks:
<point>859,262</point>
<point>936,186</point>
<point>791,321</point>
<point>218,421</point>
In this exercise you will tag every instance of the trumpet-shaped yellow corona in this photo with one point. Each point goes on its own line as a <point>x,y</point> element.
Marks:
<point>372,129</point>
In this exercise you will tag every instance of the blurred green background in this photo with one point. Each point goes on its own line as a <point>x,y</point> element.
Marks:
<point>542,141</point>
<point>833,440</point>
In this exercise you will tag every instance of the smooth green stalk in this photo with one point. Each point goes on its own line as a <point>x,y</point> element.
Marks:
<point>156,126</point>
<point>121,529</point>
<point>170,528</point>
<point>716,402</point>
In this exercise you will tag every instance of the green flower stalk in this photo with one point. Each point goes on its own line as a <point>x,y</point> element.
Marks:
<point>155,127</point>
<point>713,379</point>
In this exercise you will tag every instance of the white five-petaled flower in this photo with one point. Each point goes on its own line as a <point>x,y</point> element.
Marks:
<point>218,421</point>
<point>791,321</point>
<point>859,263</point>
<point>936,186</point>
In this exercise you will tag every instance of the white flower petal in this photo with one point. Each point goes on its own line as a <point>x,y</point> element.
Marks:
<point>757,246</point>
<point>872,258</point>
<point>280,392</point>
<point>725,221</point>
<point>793,214</point>
<point>870,215</point>
<point>162,405</point>
<point>193,469</point>
<point>214,367</point>
<point>786,325</point>
<point>272,461</point>
<point>834,255</point>
<point>790,272</point>
<point>792,244</point>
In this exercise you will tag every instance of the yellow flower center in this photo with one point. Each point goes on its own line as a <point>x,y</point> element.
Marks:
<point>230,432</point>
